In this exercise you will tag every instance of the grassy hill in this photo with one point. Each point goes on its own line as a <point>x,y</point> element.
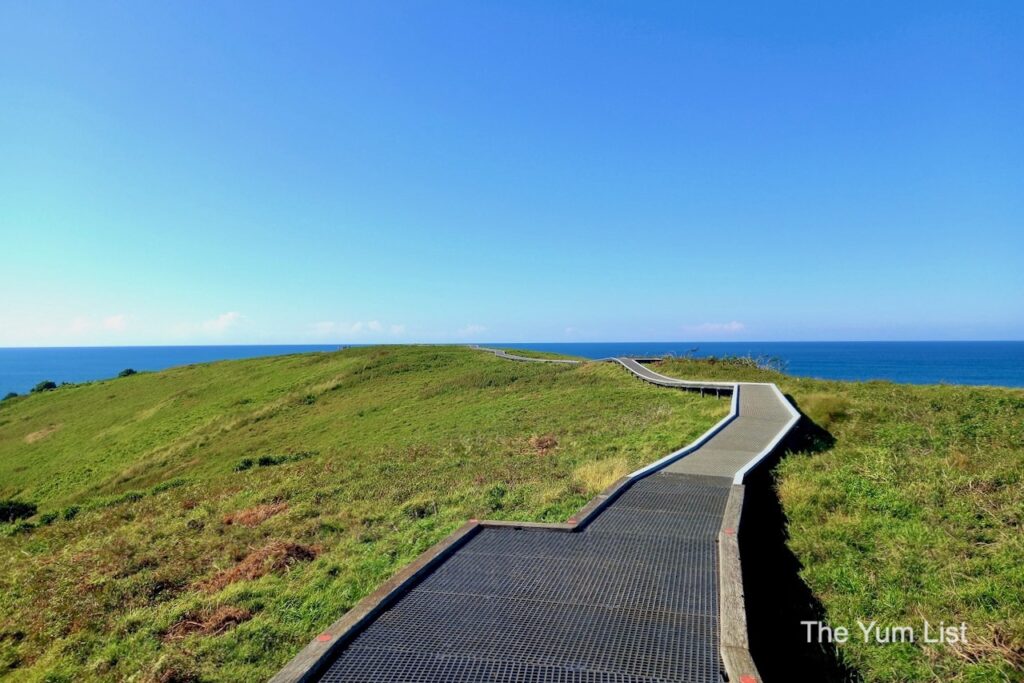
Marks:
<point>205,522</point>
<point>908,506</point>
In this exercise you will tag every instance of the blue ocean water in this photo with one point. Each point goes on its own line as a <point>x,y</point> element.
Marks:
<point>23,368</point>
<point>993,363</point>
<point>998,363</point>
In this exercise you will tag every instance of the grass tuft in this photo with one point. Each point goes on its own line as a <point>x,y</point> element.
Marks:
<point>276,556</point>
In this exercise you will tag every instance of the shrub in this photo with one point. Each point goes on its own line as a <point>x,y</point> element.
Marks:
<point>23,527</point>
<point>48,518</point>
<point>10,394</point>
<point>11,510</point>
<point>496,497</point>
<point>127,372</point>
<point>70,512</point>
<point>130,497</point>
<point>270,460</point>
<point>45,385</point>
<point>168,485</point>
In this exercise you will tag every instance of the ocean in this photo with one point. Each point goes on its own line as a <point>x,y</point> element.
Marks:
<point>964,362</point>
<point>23,368</point>
<point>998,363</point>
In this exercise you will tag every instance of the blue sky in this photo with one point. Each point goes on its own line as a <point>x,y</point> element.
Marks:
<point>229,172</point>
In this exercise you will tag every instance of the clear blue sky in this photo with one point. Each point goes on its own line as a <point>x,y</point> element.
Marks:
<point>238,172</point>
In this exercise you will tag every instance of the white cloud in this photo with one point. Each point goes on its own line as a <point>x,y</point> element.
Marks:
<point>221,323</point>
<point>470,330</point>
<point>116,323</point>
<point>369,326</point>
<point>84,325</point>
<point>361,328</point>
<point>81,325</point>
<point>733,327</point>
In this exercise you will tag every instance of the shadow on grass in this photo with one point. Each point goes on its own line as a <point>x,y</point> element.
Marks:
<point>777,600</point>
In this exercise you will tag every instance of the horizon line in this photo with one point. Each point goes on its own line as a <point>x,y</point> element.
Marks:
<point>507,343</point>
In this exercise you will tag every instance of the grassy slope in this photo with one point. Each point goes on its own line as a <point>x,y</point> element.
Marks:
<point>915,512</point>
<point>529,353</point>
<point>392,448</point>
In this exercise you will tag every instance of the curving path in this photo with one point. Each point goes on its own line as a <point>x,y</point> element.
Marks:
<point>642,585</point>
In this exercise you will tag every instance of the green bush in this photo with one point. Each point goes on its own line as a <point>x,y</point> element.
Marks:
<point>127,372</point>
<point>23,527</point>
<point>45,385</point>
<point>70,512</point>
<point>169,484</point>
<point>48,518</point>
<point>129,497</point>
<point>496,497</point>
<point>10,394</point>
<point>11,510</point>
<point>244,464</point>
<point>271,460</point>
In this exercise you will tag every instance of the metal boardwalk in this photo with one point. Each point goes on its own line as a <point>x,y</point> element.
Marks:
<point>632,595</point>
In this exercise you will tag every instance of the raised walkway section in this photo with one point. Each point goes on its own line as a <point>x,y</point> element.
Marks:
<point>643,585</point>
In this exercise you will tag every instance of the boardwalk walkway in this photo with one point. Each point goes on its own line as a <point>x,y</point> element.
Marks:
<point>631,590</point>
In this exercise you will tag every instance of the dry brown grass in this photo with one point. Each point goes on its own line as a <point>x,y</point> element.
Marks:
<point>996,643</point>
<point>543,444</point>
<point>208,622</point>
<point>41,434</point>
<point>276,556</point>
<point>255,516</point>
<point>594,477</point>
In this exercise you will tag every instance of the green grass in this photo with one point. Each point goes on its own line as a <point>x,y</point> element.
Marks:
<point>914,513</point>
<point>362,458</point>
<point>528,353</point>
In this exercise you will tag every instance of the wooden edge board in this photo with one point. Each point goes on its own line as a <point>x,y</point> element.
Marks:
<point>735,645</point>
<point>309,662</point>
<point>738,659</point>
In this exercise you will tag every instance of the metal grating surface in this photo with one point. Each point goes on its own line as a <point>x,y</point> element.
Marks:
<point>576,637</point>
<point>544,544</point>
<point>681,588</point>
<point>633,596</point>
<point>441,668</point>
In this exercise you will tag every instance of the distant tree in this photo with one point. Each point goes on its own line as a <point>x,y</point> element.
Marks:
<point>46,385</point>
<point>11,510</point>
<point>127,372</point>
<point>10,394</point>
